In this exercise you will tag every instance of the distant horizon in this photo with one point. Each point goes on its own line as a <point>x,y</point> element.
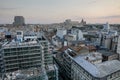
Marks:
<point>61,22</point>
<point>56,11</point>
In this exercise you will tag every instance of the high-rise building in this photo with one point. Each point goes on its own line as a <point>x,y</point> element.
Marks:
<point>19,21</point>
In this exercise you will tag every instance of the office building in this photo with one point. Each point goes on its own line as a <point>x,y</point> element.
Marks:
<point>24,56</point>
<point>19,21</point>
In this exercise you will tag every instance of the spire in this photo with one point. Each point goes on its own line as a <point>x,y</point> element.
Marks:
<point>82,20</point>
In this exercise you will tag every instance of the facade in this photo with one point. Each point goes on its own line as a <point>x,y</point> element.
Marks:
<point>19,21</point>
<point>108,38</point>
<point>15,56</point>
<point>114,44</point>
<point>106,26</point>
<point>108,55</point>
<point>25,55</point>
<point>70,37</point>
<point>2,32</point>
<point>19,36</point>
<point>61,33</point>
<point>52,72</point>
<point>87,67</point>
<point>118,47</point>
<point>78,33</point>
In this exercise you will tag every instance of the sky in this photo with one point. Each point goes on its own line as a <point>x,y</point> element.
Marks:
<point>55,11</point>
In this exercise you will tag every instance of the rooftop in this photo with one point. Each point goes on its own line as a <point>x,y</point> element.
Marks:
<point>99,70</point>
<point>93,56</point>
<point>15,43</point>
<point>24,74</point>
<point>19,44</point>
<point>106,53</point>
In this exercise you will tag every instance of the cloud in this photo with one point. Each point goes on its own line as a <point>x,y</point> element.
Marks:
<point>92,2</point>
<point>6,8</point>
<point>108,17</point>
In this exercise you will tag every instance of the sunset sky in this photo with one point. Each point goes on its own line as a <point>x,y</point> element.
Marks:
<point>55,11</point>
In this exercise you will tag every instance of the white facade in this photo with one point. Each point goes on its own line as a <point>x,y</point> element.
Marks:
<point>30,37</point>
<point>61,33</point>
<point>78,33</point>
<point>106,26</point>
<point>106,36</point>
<point>118,47</point>
<point>19,36</point>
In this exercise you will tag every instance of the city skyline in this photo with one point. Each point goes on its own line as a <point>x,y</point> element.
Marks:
<point>55,11</point>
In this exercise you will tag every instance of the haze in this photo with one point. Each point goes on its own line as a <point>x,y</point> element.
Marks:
<point>55,11</point>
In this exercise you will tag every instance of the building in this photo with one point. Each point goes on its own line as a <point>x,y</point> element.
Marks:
<point>19,21</point>
<point>70,37</point>
<point>19,36</point>
<point>78,33</point>
<point>108,55</point>
<point>83,22</point>
<point>61,32</point>
<point>26,55</point>
<point>2,32</point>
<point>118,47</point>
<point>108,38</point>
<point>106,27</point>
<point>27,74</point>
<point>89,66</point>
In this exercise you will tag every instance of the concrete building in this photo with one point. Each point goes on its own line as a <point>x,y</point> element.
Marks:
<point>19,21</point>
<point>19,36</point>
<point>30,36</point>
<point>78,33</point>
<point>61,32</point>
<point>108,38</point>
<point>114,43</point>
<point>70,37</point>
<point>118,47</point>
<point>108,55</point>
<point>106,27</point>
<point>30,54</point>
<point>89,66</point>
<point>3,30</point>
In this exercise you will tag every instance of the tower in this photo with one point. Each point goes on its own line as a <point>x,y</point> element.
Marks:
<point>19,21</point>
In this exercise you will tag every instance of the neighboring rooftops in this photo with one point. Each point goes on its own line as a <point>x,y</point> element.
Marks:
<point>99,70</point>
<point>106,53</point>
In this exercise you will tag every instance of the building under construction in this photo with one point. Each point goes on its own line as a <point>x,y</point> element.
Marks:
<point>24,55</point>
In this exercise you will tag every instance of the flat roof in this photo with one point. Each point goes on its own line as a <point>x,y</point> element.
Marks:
<point>92,56</point>
<point>19,44</point>
<point>24,74</point>
<point>106,53</point>
<point>98,70</point>
<point>108,67</point>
